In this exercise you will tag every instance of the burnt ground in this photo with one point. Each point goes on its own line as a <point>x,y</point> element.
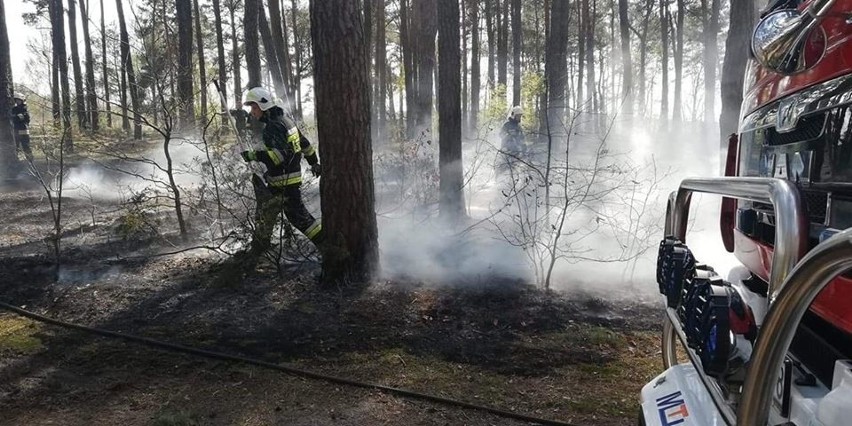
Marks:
<point>499,343</point>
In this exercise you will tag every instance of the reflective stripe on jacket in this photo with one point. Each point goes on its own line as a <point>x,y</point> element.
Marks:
<point>285,145</point>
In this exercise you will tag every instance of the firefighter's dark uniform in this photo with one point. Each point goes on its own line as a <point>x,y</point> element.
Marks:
<point>285,146</point>
<point>512,137</point>
<point>20,124</point>
<point>512,142</point>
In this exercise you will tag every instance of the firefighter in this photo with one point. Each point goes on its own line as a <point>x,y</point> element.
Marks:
<point>20,124</point>
<point>512,136</point>
<point>284,147</point>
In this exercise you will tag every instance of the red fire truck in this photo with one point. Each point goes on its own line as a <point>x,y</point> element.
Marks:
<point>771,343</point>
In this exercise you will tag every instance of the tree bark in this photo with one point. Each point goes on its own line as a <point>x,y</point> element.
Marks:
<point>276,23</point>
<point>79,97</point>
<point>272,64</point>
<point>581,57</point>
<point>251,22</point>
<point>297,61</point>
<point>220,52</point>
<point>677,105</point>
<point>626,59</point>
<point>183,12</point>
<point>8,150</point>
<point>91,96</point>
<point>503,43</point>
<point>743,18</point>
<point>202,64</point>
<point>104,70</point>
<point>517,46</point>
<point>127,65</point>
<point>711,58</point>
<point>492,41</point>
<point>555,70</point>
<point>341,75</point>
<point>664,57</point>
<point>643,55</point>
<point>474,66</point>
<point>235,56</point>
<point>408,54</point>
<point>588,16</point>
<point>58,35</point>
<point>451,203</point>
<point>381,67</point>
<point>427,16</point>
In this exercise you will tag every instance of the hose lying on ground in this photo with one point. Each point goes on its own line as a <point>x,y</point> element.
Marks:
<point>283,368</point>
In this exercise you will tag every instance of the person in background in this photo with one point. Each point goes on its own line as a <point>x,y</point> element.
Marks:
<point>21,125</point>
<point>512,136</point>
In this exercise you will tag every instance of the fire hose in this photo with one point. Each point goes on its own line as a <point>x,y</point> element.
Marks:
<point>279,367</point>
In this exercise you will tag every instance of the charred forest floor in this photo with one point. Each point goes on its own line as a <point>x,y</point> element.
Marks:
<point>568,357</point>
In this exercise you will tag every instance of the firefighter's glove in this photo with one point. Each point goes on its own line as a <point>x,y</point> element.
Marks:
<point>249,155</point>
<point>316,169</point>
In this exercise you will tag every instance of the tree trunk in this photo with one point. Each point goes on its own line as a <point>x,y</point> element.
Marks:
<point>186,99</point>
<point>251,22</point>
<point>235,57</point>
<point>220,52</point>
<point>427,16</point>
<point>664,56</point>
<point>341,75</point>
<point>733,67</point>
<point>517,46</point>
<point>503,43</point>
<point>581,43</point>
<point>104,70</point>
<point>79,97</point>
<point>127,65</point>
<point>91,96</point>
<point>407,38</point>
<point>276,24</point>
<point>202,64</point>
<point>272,64</point>
<point>58,35</point>
<point>589,17</point>
<point>643,55</point>
<point>464,67</point>
<point>8,150</point>
<point>451,203</point>
<point>554,69</point>
<point>474,66</point>
<point>297,50</point>
<point>677,105</point>
<point>492,42</point>
<point>711,58</point>
<point>381,67</point>
<point>626,59</point>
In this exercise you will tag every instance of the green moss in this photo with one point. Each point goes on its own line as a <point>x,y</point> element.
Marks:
<point>18,335</point>
<point>175,417</point>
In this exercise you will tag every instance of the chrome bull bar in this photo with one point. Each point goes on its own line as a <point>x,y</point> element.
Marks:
<point>791,238</point>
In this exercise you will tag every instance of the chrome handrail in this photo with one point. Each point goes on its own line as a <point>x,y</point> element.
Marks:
<point>828,260</point>
<point>791,238</point>
<point>791,223</point>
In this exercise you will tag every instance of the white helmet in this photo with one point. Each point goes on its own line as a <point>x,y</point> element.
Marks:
<point>18,95</point>
<point>260,96</point>
<point>516,111</point>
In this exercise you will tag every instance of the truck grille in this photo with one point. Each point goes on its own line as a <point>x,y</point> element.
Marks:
<point>808,128</point>
<point>816,203</point>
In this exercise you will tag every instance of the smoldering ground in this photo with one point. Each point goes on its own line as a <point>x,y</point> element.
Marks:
<point>606,244</point>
